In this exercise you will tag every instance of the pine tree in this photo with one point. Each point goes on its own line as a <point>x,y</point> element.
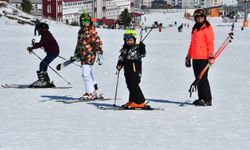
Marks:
<point>125,18</point>
<point>26,6</point>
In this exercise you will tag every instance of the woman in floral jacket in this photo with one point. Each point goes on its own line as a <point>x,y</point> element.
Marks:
<point>88,47</point>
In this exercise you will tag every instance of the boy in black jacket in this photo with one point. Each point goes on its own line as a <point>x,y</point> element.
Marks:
<point>130,59</point>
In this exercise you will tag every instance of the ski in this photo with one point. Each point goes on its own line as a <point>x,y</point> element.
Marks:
<point>27,86</point>
<point>187,102</point>
<point>122,108</point>
<point>66,63</point>
<point>83,100</point>
<point>98,98</point>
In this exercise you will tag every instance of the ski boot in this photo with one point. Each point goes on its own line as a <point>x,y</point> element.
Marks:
<point>201,102</point>
<point>126,105</point>
<point>43,81</point>
<point>133,105</point>
<point>89,96</point>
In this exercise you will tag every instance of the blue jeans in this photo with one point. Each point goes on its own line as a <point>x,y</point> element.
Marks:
<point>46,61</point>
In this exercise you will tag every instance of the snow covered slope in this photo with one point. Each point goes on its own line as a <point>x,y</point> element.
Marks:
<point>32,119</point>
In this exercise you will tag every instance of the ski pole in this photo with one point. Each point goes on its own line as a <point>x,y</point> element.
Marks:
<point>151,28</point>
<point>155,25</point>
<point>116,87</point>
<point>50,67</point>
<point>228,40</point>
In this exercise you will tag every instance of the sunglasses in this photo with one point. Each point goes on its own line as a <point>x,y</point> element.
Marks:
<point>197,16</point>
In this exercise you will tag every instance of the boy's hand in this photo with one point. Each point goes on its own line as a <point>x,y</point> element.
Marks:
<point>30,50</point>
<point>118,67</point>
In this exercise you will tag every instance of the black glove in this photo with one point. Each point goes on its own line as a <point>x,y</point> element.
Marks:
<point>188,62</point>
<point>30,50</point>
<point>77,57</point>
<point>211,60</point>
<point>142,49</point>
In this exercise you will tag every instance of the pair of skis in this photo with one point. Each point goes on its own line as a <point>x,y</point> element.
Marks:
<point>81,99</point>
<point>78,100</point>
<point>26,86</point>
<point>116,107</point>
<point>228,40</point>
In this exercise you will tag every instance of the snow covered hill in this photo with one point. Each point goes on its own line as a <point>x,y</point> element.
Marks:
<point>32,119</point>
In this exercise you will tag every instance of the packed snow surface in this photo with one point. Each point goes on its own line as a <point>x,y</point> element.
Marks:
<point>33,119</point>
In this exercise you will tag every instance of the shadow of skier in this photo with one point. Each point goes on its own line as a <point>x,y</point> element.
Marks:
<point>56,98</point>
<point>179,103</point>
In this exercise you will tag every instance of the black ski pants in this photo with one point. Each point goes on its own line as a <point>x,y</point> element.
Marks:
<point>132,72</point>
<point>204,91</point>
<point>46,61</point>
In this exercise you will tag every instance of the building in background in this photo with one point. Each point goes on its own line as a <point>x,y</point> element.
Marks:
<point>147,3</point>
<point>159,4</point>
<point>72,9</point>
<point>52,9</point>
<point>68,11</point>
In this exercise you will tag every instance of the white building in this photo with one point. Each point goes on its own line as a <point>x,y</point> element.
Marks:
<point>187,4</point>
<point>72,9</point>
<point>147,3</point>
<point>110,9</point>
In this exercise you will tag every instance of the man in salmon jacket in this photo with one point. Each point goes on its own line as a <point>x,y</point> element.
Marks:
<point>201,52</point>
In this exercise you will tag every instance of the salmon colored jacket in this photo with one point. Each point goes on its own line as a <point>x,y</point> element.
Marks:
<point>202,43</point>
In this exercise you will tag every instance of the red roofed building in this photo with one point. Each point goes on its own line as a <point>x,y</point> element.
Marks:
<point>52,9</point>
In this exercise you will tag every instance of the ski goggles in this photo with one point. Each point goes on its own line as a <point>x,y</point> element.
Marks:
<point>197,16</point>
<point>85,21</point>
<point>128,36</point>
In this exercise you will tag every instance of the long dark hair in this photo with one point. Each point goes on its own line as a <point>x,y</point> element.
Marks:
<point>199,25</point>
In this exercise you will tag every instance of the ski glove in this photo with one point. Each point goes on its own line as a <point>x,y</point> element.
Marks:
<point>188,62</point>
<point>30,49</point>
<point>142,49</point>
<point>211,60</point>
<point>119,67</point>
<point>76,57</point>
<point>100,59</point>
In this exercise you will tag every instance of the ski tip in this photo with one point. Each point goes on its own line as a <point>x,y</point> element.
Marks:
<point>58,67</point>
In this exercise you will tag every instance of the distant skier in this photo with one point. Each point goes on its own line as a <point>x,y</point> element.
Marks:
<point>175,23</point>
<point>201,52</point>
<point>89,45</point>
<point>51,47</point>
<point>130,59</point>
<point>37,22</point>
<point>180,28</point>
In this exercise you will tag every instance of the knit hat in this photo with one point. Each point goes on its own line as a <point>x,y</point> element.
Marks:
<point>199,12</point>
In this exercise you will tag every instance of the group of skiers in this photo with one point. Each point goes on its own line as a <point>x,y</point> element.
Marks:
<point>89,48</point>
